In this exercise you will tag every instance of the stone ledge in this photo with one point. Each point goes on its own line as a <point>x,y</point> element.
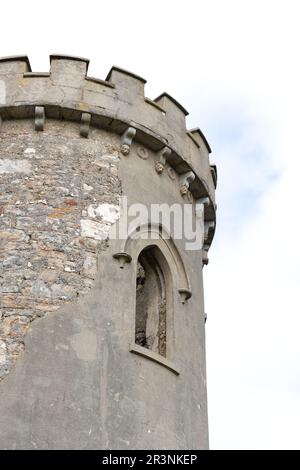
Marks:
<point>36,74</point>
<point>148,354</point>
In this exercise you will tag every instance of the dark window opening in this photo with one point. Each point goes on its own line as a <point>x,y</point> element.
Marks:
<point>151,309</point>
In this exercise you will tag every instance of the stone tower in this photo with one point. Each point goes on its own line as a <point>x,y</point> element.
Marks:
<point>102,329</point>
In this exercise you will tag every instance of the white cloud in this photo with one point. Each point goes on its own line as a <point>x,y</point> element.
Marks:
<point>253,305</point>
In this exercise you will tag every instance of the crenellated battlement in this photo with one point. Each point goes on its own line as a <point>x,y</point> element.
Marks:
<point>116,104</point>
<point>14,64</point>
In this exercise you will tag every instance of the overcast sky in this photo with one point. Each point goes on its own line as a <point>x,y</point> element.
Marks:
<point>235,66</point>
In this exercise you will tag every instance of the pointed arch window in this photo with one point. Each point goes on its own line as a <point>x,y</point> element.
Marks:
<point>161,283</point>
<point>151,329</point>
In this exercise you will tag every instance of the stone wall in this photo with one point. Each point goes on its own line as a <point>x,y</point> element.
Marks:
<point>59,195</point>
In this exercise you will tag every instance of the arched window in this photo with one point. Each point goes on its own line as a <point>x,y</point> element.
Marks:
<point>162,286</point>
<point>151,302</point>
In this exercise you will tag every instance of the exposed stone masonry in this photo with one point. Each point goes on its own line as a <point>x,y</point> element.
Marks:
<point>59,195</point>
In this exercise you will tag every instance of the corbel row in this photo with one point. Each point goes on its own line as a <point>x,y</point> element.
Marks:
<point>185,179</point>
<point>39,121</point>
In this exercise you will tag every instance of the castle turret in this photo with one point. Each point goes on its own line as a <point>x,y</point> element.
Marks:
<point>102,322</point>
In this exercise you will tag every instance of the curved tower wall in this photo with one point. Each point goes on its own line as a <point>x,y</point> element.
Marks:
<point>73,374</point>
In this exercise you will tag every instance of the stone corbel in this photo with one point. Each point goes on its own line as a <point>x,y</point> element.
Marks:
<point>39,119</point>
<point>85,125</point>
<point>202,200</point>
<point>214,174</point>
<point>126,140</point>
<point>184,181</point>
<point>185,294</point>
<point>205,259</point>
<point>200,205</point>
<point>208,226</point>
<point>123,258</point>
<point>163,156</point>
